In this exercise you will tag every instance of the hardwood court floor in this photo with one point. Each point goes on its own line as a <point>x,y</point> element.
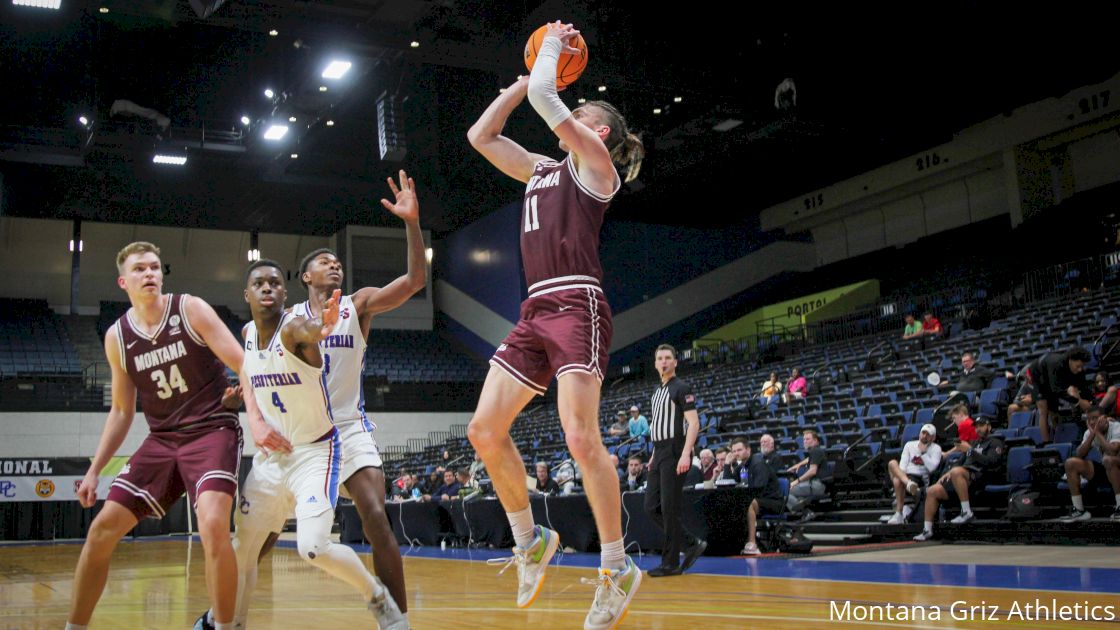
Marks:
<point>159,583</point>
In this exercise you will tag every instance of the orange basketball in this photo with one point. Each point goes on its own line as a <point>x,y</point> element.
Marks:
<point>570,65</point>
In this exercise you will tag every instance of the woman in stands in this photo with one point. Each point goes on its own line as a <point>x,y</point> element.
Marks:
<point>565,326</point>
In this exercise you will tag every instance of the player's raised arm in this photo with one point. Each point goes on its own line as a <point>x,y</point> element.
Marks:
<point>117,424</point>
<point>303,335</point>
<point>373,300</point>
<point>486,137</point>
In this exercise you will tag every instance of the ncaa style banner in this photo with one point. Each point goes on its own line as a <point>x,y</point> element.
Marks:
<point>47,479</point>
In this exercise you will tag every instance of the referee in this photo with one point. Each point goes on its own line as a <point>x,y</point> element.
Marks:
<point>673,403</point>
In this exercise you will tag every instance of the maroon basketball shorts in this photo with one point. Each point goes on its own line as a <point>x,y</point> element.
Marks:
<point>560,331</point>
<point>169,463</point>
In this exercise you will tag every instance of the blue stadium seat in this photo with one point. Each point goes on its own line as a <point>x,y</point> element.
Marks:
<point>1021,419</point>
<point>1067,432</point>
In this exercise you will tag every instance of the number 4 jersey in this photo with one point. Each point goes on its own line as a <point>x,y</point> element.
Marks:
<point>178,378</point>
<point>291,394</point>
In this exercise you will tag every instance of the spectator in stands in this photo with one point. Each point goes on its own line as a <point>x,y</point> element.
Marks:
<point>449,488</point>
<point>982,465</point>
<point>1102,388</point>
<point>807,485</point>
<point>639,426</point>
<point>708,464</point>
<point>913,328</point>
<point>771,390</point>
<point>467,483</point>
<point>434,481</point>
<point>635,474</point>
<point>931,326</point>
<point>1057,376</point>
<point>403,492</point>
<point>974,377</point>
<point>545,483</point>
<point>760,477</point>
<point>567,474</point>
<point>920,459</point>
<point>797,387</point>
<point>766,446</point>
<point>722,453</point>
<point>1102,433</point>
<point>620,428</point>
<point>1023,401</point>
<point>477,467</point>
<point>965,426</point>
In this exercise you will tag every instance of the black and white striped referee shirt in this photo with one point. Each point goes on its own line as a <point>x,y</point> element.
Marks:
<point>669,403</point>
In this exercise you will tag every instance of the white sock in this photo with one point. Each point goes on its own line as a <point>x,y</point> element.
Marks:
<point>1118,500</point>
<point>313,540</point>
<point>225,626</point>
<point>928,527</point>
<point>74,626</point>
<point>612,555</point>
<point>966,507</point>
<point>907,511</point>
<point>522,524</point>
<point>1079,503</point>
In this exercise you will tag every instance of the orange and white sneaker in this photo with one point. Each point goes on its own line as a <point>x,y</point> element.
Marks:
<point>531,564</point>
<point>615,589</point>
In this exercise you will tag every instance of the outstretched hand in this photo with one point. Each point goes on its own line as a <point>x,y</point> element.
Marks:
<point>406,206</point>
<point>566,33</point>
<point>329,315</point>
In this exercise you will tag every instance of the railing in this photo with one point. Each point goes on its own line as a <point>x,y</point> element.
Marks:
<point>1071,277</point>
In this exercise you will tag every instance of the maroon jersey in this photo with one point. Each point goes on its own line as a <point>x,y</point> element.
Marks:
<point>560,224</point>
<point>179,379</point>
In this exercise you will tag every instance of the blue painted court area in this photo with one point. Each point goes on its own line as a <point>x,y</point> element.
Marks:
<point>1091,580</point>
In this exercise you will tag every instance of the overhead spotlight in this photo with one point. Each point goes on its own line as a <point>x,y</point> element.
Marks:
<point>336,69</point>
<point>83,120</point>
<point>322,88</point>
<point>274,32</point>
<point>38,4</point>
<point>676,99</point>
<point>104,9</point>
<point>245,120</point>
<point>291,118</point>
<point>656,110</point>
<point>269,93</point>
<point>428,253</point>
<point>581,101</point>
<point>81,245</point>
<point>330,123</point>
<point>415,44</point>
<point>177,160</point>
<point>602,88</point>
<point>295,156</point>
<point>275,132</point>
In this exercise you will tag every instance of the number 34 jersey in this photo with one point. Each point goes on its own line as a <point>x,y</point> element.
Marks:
<point>291,394</point>
<point>178,378</point>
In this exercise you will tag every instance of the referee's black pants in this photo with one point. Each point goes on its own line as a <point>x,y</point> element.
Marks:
<point>664,494</point>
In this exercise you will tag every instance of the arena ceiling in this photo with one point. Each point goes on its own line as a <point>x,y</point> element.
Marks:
<point>872,86</point>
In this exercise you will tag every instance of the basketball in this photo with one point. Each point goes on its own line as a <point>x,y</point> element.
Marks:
<point>570,65</point>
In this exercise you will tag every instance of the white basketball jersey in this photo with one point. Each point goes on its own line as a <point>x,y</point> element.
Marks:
<point>344,360</point>
<point>290,393</point>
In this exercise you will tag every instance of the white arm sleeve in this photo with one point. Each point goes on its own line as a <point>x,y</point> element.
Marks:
<point>542,84</point>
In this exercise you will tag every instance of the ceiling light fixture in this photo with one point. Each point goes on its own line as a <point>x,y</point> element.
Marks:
<point>38,4</point>
<point>245,120</point>
<point>415,44</point>
<point>275,132</point>
<point>177,160</point>
<point>330,123</point>
<point>274,32</point>
<point>336,69</point>
<point>268,93</point>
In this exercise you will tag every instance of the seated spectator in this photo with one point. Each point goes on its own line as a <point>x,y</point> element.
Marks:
<point>1057,376</point>
<point>708,464</point>
<point>913,328</point>
<point>768,452</point>
<point>1102,433</point>
<point>982,465</point>
<point>807,485</point>
<point>404,490</point>
<point>920,459</point>
<point>1023,402</point>
<point>797,387</point>
<point>620,428</point>
<point>931,326</point>
<point>545,483</point>
<point>467,484</point>
<point>639,426</point>
<point>477,468</point>
<point>721,458</point>
<point>762,478</point>
<point>449,488</point>
<point>1103,390</point>
<point>973,377</point>
<point>434,481</point>
<point>567,476</point>
<point>965,429</point>
<point>635,478</point>
<point>615,463</point>
<point>771,390</point>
